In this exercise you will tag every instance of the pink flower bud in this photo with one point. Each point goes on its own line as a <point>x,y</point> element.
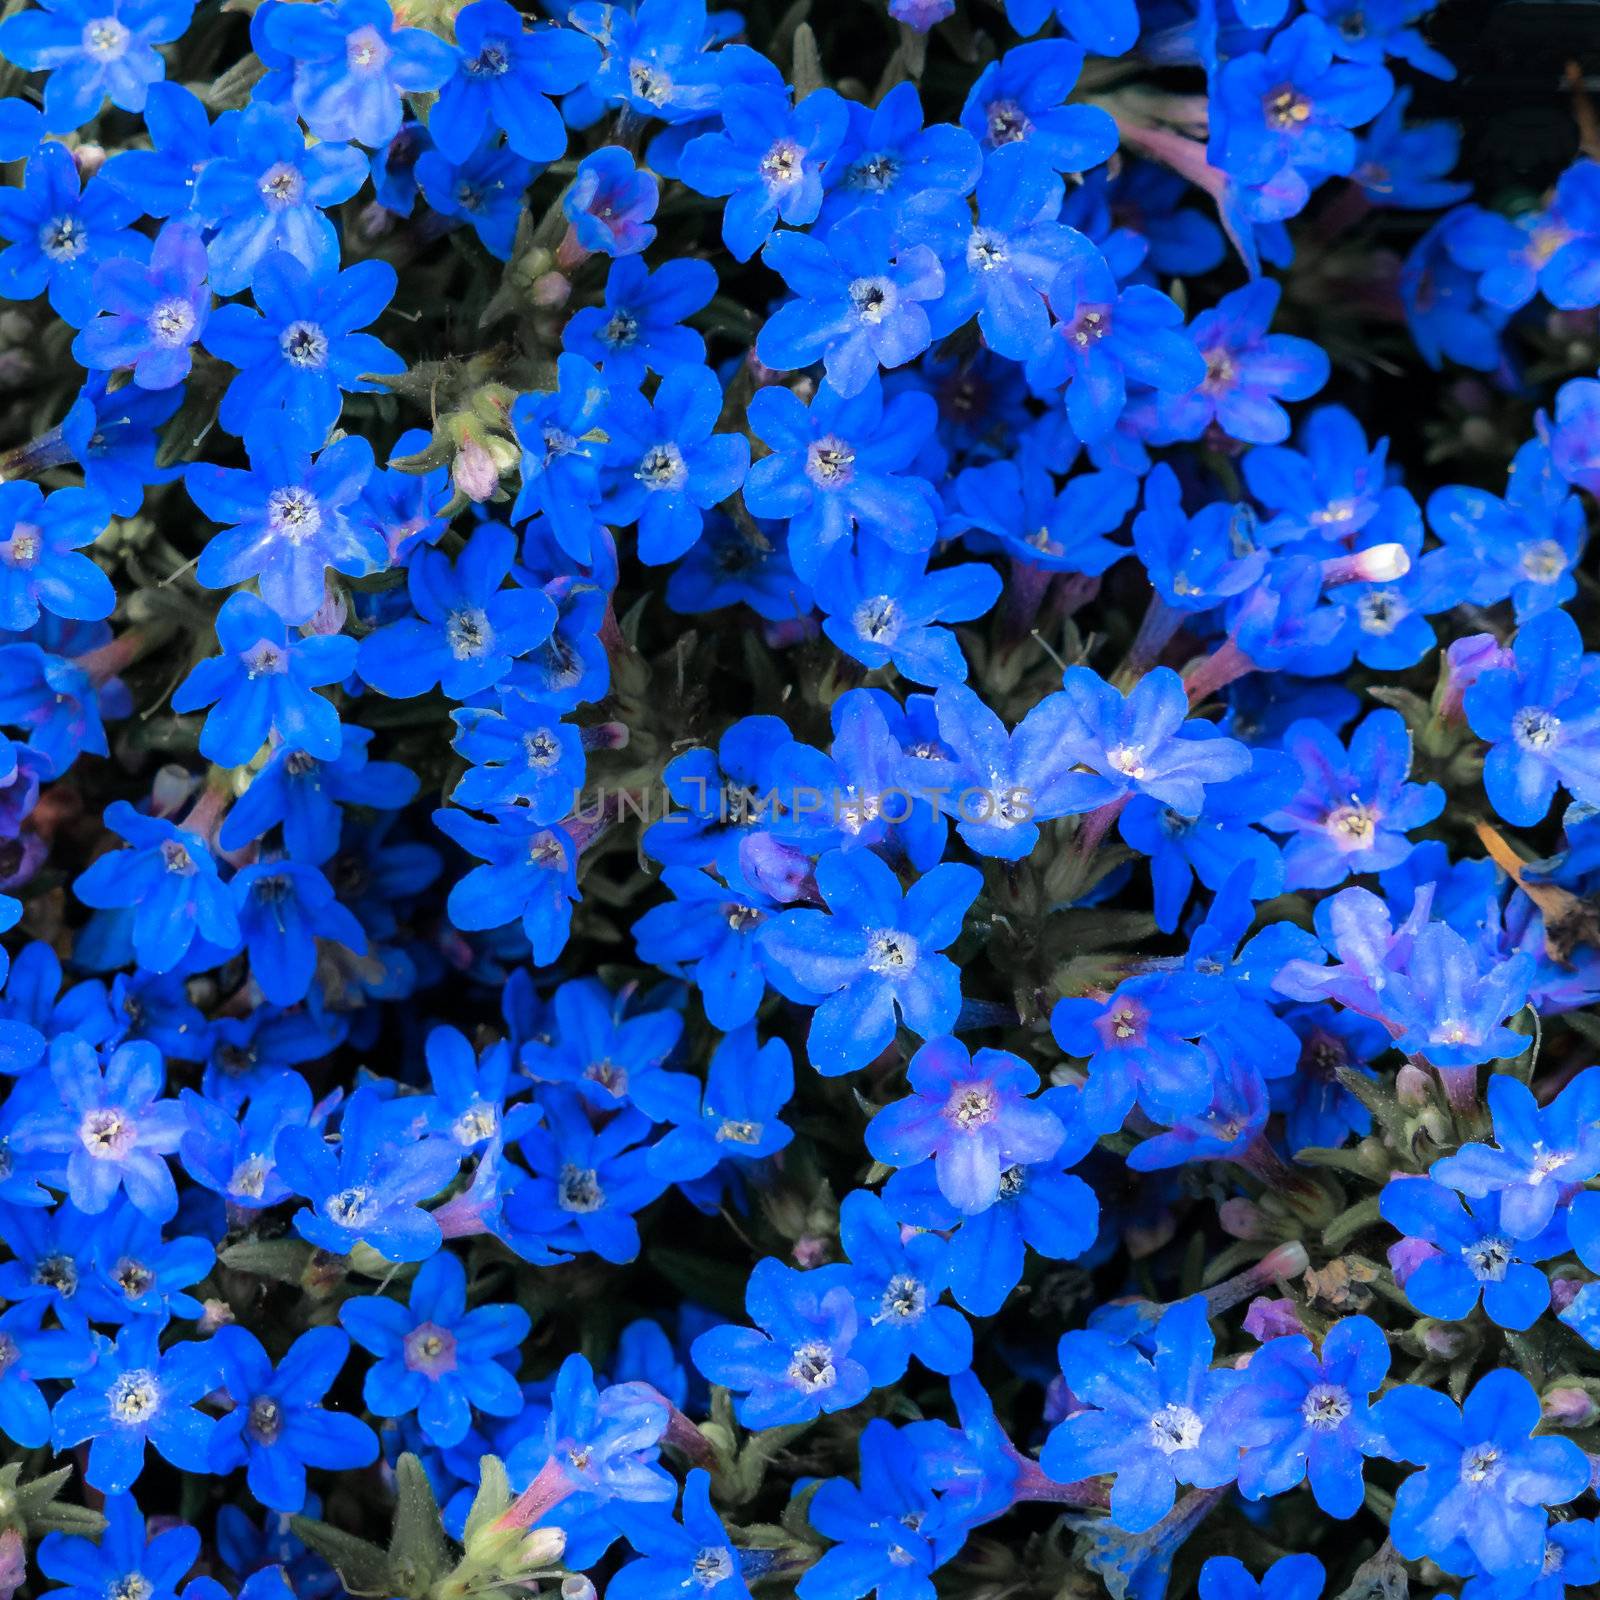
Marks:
<point>475,472</point>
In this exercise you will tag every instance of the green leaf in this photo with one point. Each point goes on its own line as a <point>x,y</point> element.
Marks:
<point>419,1552</point>
<point>362,1566</point>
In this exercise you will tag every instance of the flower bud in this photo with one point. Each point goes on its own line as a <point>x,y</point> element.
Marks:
<point>1568,1406</point>
<point>1382,563</point>
<point>475,473</point>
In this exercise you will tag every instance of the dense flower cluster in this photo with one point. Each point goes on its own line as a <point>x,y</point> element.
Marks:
<point>748,839</point>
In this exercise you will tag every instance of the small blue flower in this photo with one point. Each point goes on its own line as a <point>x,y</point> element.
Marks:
<point>263,682</point>
<point>840,466</point>
<point>94,50</point>
<point>279,1425</point>
<point>40,563</point>
<point>236,1155</point>
<point>61,231</point>
<point>799,1361</point>
<point>1306,1416</point>
<point>1021,99</point>
<point>694,1557</point>
<point>1103,336</point>
<point>610,202</point>
<point>299,349</point>
<point>267,190</point>
<point>736,1118</point>
<point>768,159</point>
<point>352,66</point>
<point>666,467</point>
<point>875,960</point>
<point>972,1115</point>
<point>284,908</point>
<point>1473,1255</point>
<point>29,1353</point>
<point>484,190</point>
<point>504,78</point>
<point>860,302</point>
<point>138,1394</point>
<point>367,1189</point>
<point>1537,1150</point>
<point>288,519</point>
<point>1480,1499</point>
<point>639,327</point>
<point>1153,1423</point>
<point>434,1356</point>
<point>149,317</point>
<point>124,1555</point>
<point>110,1123</point>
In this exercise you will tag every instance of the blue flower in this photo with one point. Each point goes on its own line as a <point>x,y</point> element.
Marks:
<point>300,348</point>
<point>263,682</point>
<point>897,1283</point>
<point>860,302</point>
<point>112,436</point>
<point>1480,1499</point>
<point>530,875</point>
<point>1537,1150</point>
<point>1108,29</point>
<point>522,753</point>
<point>169,878</point>
<point>284,908</point>
<point>40,564</point>
<point>560,461</point>
<point>149,317</point>
<point>1473,1255</point>
<point>485,190</point>
<point>586,1180</point>
<point>288,519</point>
<point>304,796</point>
<point>1354,807</point>
<point>693,1557</point>
<point>1248,371</point>
<point>434,1356</point>
<point>1297,1577</point>
<point>352,66</point>
<point>1306,1416</point>
<point>94,50</point>
<point>737,1115</point>
<point>1154,1423</point>
<point>1037,525</point>
<point>882,607</point>
<point>367,1189</point>
<point>800,1360</point>
<point>711,931</point>
<point>889,164</point>
<point>654,60</point>
<point>972,1115</point>
<point>666,467</point>
<point>236,1156</point>
<point>468,628</point>
<point>1013,254</point>
<point>639,326</point>
<point>1407,165</point>
<point>137,1394</point>
<point>1451,999</point>
<point>874,960</point>
<point>111,1124</point>
<point>267,190</point>
<point>1021,98</point>
<point>891,1533</point>
<point>610,202</point>
<point>60,234</point>
<point>839,466</point>
<point>278,1425</point>
<point>768,159</point>
<point>29,1353</point>
<point>1103,336</point>
<point>611,1058</point>
<point>504,79</point>
<point>1281,117</point>
<point>124,1555</point>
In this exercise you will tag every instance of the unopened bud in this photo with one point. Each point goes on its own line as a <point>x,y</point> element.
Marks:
<point>475,472</point>
<point>1272,1319</point>
<point>1383,563</point>
<point>329,618</point>
<point>88,158</point>
<point>1443,1341</point>
<point>577,1587</point>
<point>1464,663</point>
<point>215,1314</point>
<point>1413,1086</point>
<point>1243,1219</point>
<point>1569,1407</point>
<point>551,291</point>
